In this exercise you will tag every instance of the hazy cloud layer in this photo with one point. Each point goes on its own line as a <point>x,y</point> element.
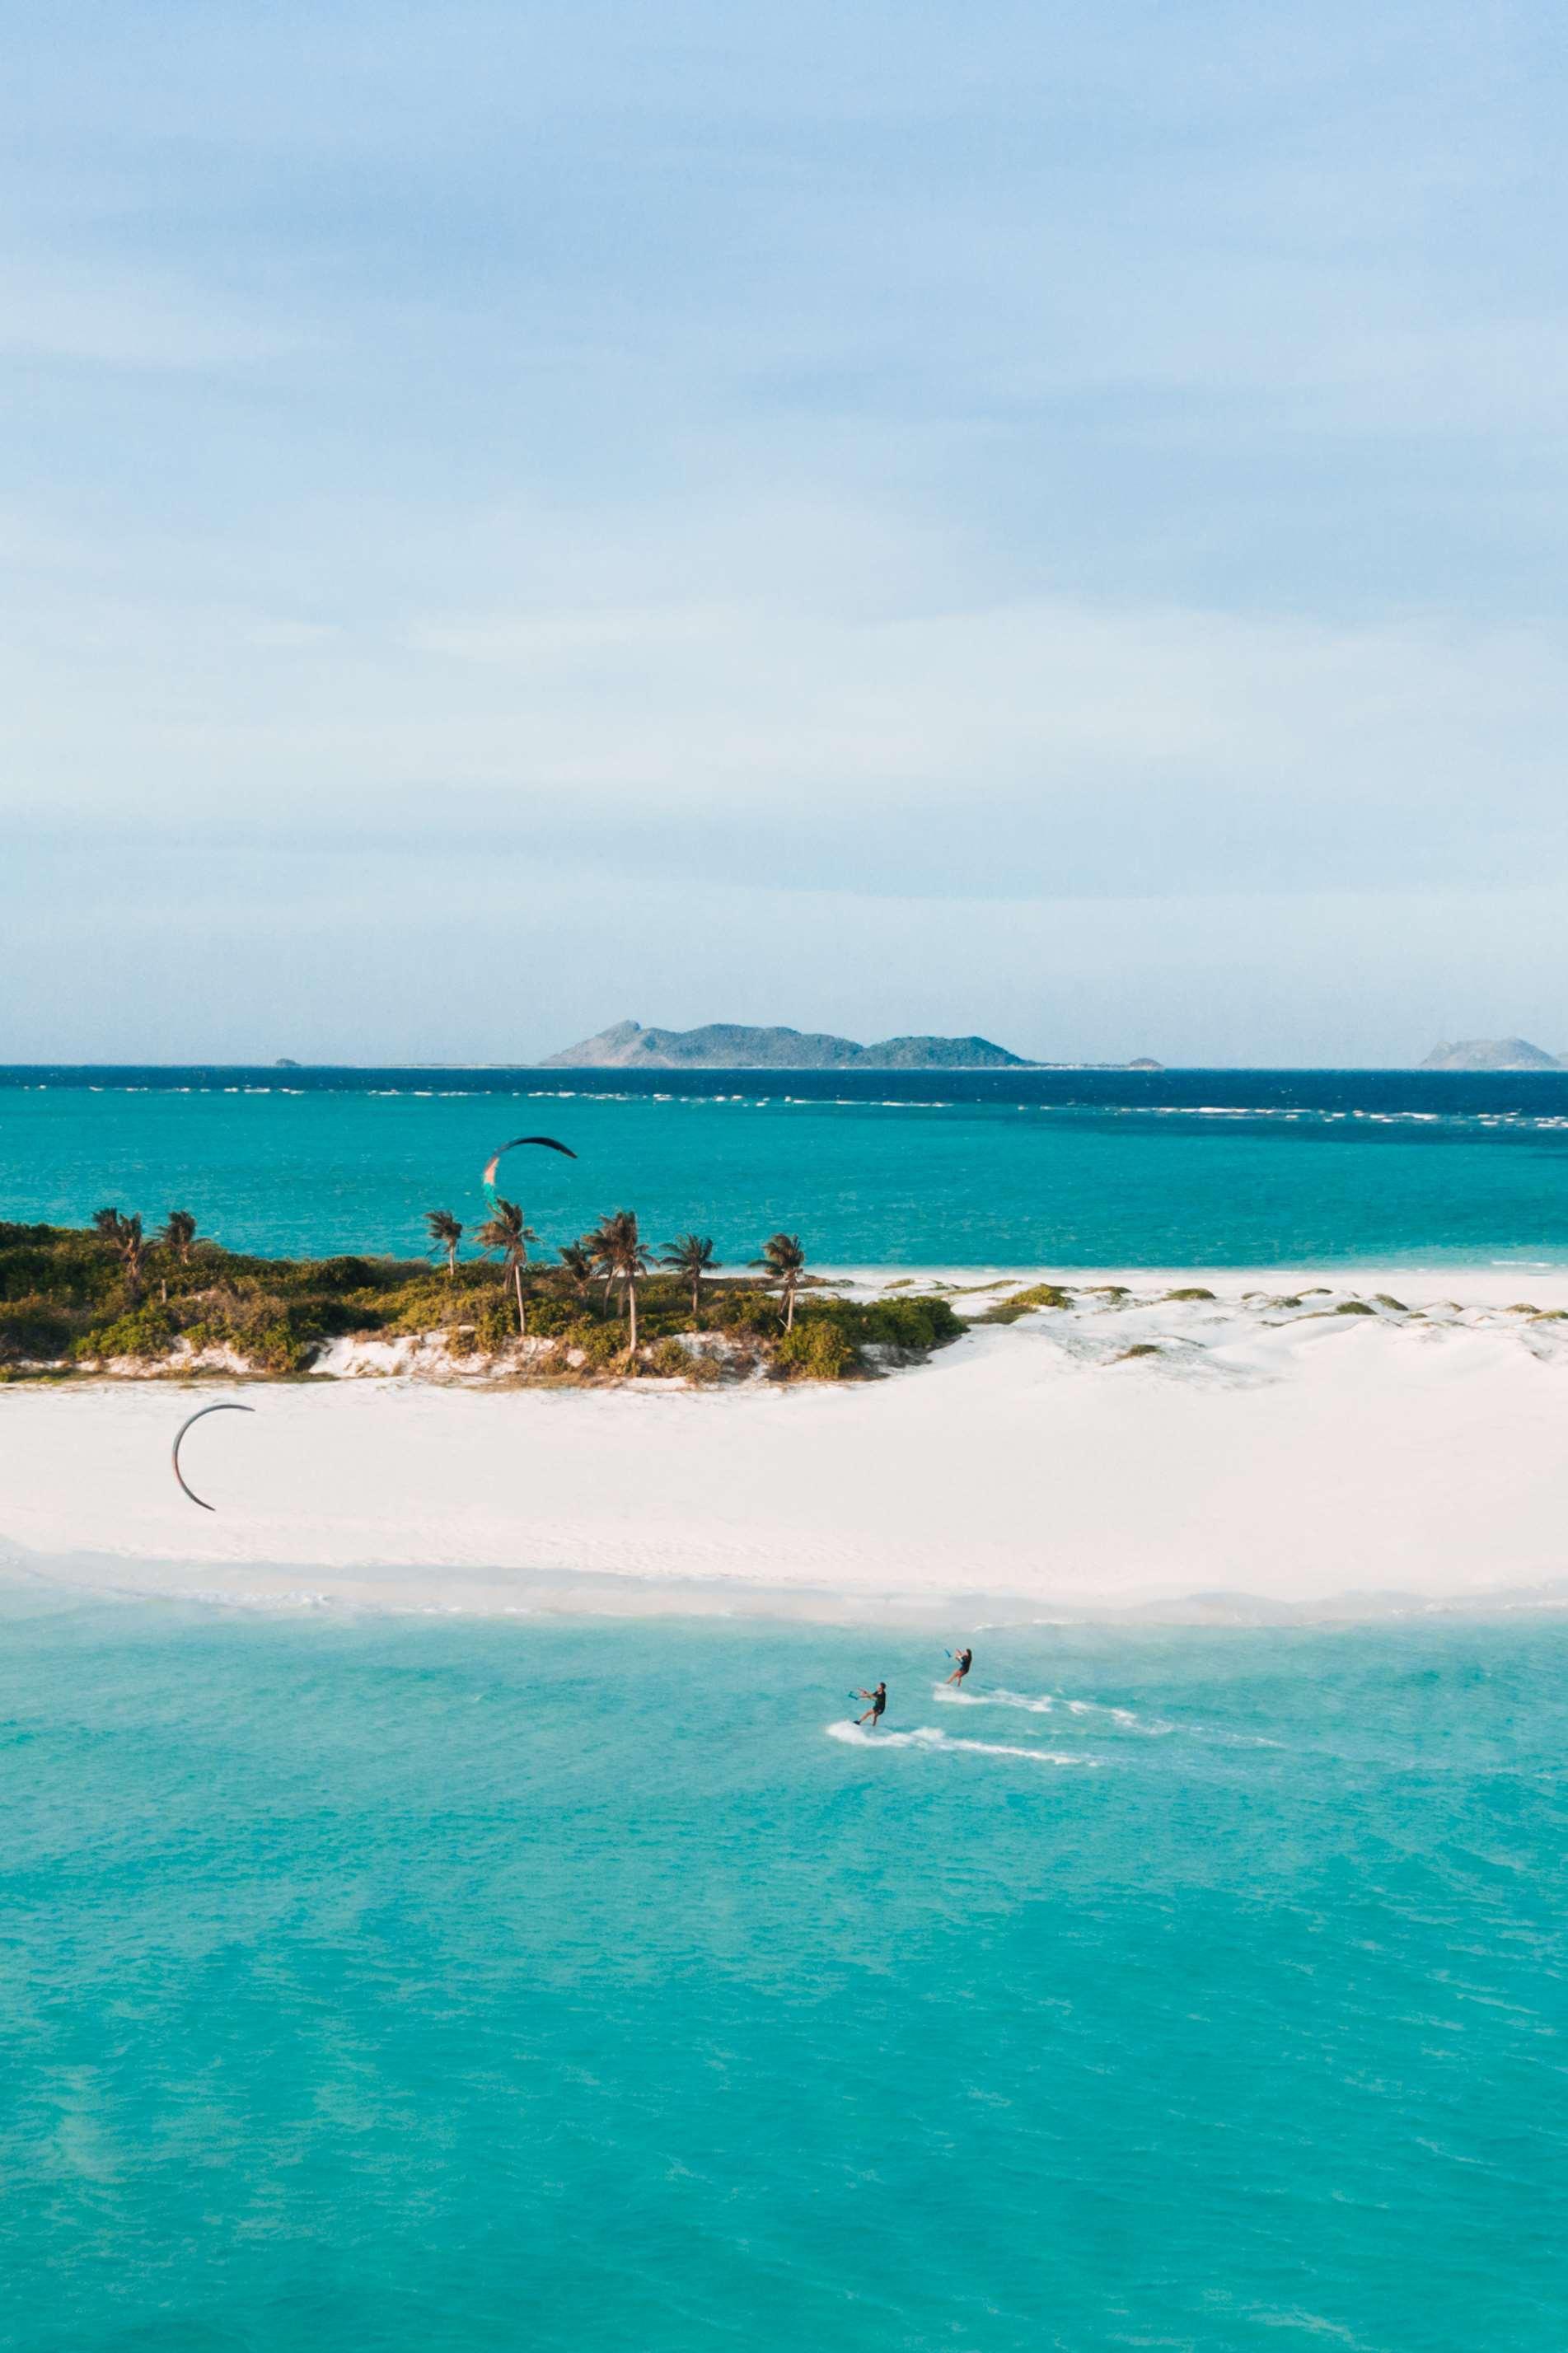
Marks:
<point>800,483</point>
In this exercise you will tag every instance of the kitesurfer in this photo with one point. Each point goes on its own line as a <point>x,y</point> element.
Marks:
<point>962,1662</point>
<point>879,1699</point>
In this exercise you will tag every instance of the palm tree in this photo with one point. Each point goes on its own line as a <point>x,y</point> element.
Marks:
<point>786,1263</point>
<point>505,1231</point>
<point>617,1248</point>
<point>446,1232</point>
<point>690,1256</point>
<point>178,1232</point>
<point>577,1260</point>
<point>124,1237</point>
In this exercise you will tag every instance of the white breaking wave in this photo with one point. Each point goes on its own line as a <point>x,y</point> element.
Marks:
<point>1046,1704</point>
<point>1122,1717</point>
<point>955,1696</point>
<point>927,1736</point>
<point>258,1601</point>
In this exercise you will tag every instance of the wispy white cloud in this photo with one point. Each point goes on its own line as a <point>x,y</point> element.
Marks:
<point>530,641</point>
<point>289,637</point>
<point>1063,460</point>
<point>1065,743</point>
<point>118,316</point>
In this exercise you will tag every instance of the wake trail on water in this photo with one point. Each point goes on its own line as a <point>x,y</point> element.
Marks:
<point>1050,1703</point>
<point>927,1736</point>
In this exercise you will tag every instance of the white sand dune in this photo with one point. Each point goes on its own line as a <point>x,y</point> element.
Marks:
<point>1268,1457</point>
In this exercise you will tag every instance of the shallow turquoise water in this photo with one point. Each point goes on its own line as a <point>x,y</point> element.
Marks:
<point>1323,1169</point>
<point>442,1984</point>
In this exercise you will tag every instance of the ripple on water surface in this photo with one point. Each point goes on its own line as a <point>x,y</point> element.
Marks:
<point>371,1983</point>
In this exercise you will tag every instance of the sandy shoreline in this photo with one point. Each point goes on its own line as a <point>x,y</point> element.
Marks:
<point>1265,1460</point>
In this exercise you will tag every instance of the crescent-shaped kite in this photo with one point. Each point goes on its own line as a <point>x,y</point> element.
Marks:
<point>492,1165</point>
<point>199,1415</point>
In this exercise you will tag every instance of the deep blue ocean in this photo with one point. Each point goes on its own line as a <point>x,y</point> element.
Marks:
<point>428,1986</point>
<point>1009,1168</point>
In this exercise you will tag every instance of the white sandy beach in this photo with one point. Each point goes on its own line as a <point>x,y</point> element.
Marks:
<point>1266,1459</point>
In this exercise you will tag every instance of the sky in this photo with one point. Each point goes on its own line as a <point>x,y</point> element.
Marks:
<point>1032,519</point>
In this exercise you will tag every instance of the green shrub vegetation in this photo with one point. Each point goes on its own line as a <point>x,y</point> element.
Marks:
<point>816,1350</point>
<point>918,1324</point>
<point>75,1299</point>
<point>144,1333</point>
<point>29,1327</point>
<point>1023,1303</point>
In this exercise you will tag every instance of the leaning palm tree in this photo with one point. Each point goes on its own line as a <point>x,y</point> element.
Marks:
<point>178,1232</point>
<point>445,1232</point>
<point>786,1263</point>
<point>577,1260</point>
<point>620,1252</point>
<point>126,1237</point>
<point>505,1231</point>
<point>690,1256</point>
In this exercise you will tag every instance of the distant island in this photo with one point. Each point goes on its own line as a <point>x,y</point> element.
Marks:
<point>1492,1054</point>
<point>736,1046</point>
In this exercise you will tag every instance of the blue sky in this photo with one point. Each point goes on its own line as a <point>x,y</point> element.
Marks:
<point>1041,520</point>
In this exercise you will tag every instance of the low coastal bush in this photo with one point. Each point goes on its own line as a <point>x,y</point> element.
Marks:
<point>31,1329</point>
<point>338,1275</point>
<point>146,1334</point>
<point>742,1308</point>
<point>918,1324</point>
<point>66,1294</point>
<point>494,1325</point>
<point>1023,1303</point>
<point>68,1269</point>
<point>816,1350</point>
<point>288,1343</point>
<point>549,1318</point>
<point>602,1344</point>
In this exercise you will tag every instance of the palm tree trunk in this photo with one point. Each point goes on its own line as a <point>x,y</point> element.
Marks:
<point>696,1300</point>
<point>451,1261</point>
<point>789,1307</point>
<point>632,1309</point>
<point>517,1280</point>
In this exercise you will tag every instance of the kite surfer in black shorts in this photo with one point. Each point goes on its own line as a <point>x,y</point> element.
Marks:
<point>879,1699</point>
<point>962,1662</point>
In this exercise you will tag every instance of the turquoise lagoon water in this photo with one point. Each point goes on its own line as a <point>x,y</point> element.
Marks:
<point>428,1986</point>
<point>1193,1168</point>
